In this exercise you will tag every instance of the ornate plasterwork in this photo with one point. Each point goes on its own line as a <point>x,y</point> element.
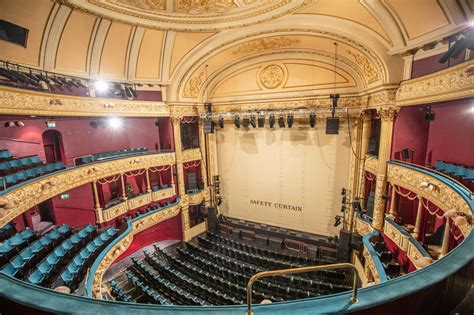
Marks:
<point>266,43</point>
<point>367,67</point>
<point>370,265</point>
<point>363,227</point>
<point>444,85</point>
<point>17,201</point>
<point>189,15</point>
<point>193,86</point>
<point>370,164</point>
<point>191,155</point>
<point>445,197</point>
<point>119,248</point>
<point>196,199</point>
<point>272,76</point>
<point>22,102</point>
<point>379,203</point>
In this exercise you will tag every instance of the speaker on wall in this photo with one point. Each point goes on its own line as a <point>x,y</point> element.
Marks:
<point>212,219</point>
<point>332,126</point>
<point>208,126</point>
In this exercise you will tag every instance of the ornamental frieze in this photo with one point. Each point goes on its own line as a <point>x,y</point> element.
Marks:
<point>363,227</point>
<point>23,102</point>
<point>19,200</point>
<point>191,155</point>
<point>443,196</point>
<point>452,83</point>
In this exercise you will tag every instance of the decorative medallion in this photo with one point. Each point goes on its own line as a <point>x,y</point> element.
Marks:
<point>271,76</point>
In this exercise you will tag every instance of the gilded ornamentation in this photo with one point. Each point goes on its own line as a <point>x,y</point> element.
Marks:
<point>446,199</point>
<point>388,114</point>
<point>363,227</point>
<point>370,164</point>
<point>153,5</point>
<point>267,43</point>
<point>369,263</point>
<point>378,220</point>
<point>19,200</point>
<point>22,102</point>
<point>191,155</point>
<point>272,76</point>
<point>367,67</point>
<point>448,84</point>
<point>194,85</point>
<point>204,6</point>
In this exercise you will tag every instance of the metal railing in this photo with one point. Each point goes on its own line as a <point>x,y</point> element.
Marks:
<point>280,272</point>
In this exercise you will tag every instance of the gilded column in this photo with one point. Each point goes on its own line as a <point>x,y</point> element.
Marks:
<point>122,182</point>
<point>419,213</point>
<point>202,144</point>
<point>445,244</point>
<point>366,117</point>
<point>387,115</point>
<point>98,209</point>
<point>148,184</point>
<point>393,211</point>
<point>354,175</point>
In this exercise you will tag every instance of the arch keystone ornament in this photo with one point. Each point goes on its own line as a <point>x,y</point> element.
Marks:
<point>272,76</point>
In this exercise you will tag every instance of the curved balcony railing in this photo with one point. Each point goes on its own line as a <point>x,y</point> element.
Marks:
<point>121,243</point>
<point>372,260</point>
<point>19,198</point>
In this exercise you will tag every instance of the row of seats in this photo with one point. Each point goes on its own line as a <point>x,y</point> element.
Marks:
<point>332,275</point>
<point>174,292</point>
<point>20,176</point>
<point>15,244</point>
<point>14,165</point>
<point>304,261</point>
<point>7,231</point>
<point>202,290</point>
<point>392,268</point>
<point>74,271</point>
<point>462,173</point>
<point>152,295</point>
<point>119,293</point>
<point>107,155</point>
<point>57,258</point>
<point>29,256</point>
<point>4,155</point>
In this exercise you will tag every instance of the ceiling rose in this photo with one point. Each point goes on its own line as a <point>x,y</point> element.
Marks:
<point>187,15</point>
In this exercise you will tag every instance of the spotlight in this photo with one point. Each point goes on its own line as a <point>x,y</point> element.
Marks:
<point>337,220</point>
<point>312,120</point>
<point>128,91</point>
<point>289,120</point>
<point>9,124</point>
<point>253,122</point>
<point>221,121</point>
<point>281,122</point>
<point>261,121</point>
<point>343,192</point>
<point>356,206</point>
<point>237,121</point>
<point>101,86</point>
<point>246,122</point>
<point>117,88</point>
<point>429,115</point>
<point>332,125</point>
<point>271,121</point>
<point>114,122</point>
<point>219,200</point>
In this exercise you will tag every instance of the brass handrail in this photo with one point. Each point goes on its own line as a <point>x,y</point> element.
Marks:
<point>270,273</point>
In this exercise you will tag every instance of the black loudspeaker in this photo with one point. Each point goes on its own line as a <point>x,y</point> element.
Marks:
<point>212,219</point>
<point>429,116</point>
<point>343,247</point>
<point>332,126</point>
<point>208,126</point>
<point>128,92</point>
<point>406,154</point>
<point>246,122</point>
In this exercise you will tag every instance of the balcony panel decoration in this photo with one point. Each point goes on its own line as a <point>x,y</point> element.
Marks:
<point>192,155</point>
<point>120,245</point>
<point>371,164</point>
<point>363,227</point>
<point>15,102</point>
<point>452,83</point>
<point>199,197</point>
<point>444,192</point>
<point>139,201</point>
<point>162,194</point>
<point>16,200</point>
<point>113,212</point>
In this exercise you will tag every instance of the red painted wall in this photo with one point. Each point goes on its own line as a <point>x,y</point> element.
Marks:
<point>451,135</point>
<point>166,230</point>
<point>429,65</point>
<point>411,131</point>
<point>79,138</point>
<point>78,209</point>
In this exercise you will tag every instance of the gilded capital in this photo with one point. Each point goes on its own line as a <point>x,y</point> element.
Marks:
<point>388,114</point>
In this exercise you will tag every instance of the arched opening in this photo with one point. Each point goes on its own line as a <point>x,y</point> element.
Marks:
<point>53,146</point>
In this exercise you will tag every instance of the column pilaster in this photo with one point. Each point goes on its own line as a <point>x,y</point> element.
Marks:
<point>445,244</point>
<point>419,211</point>
<point>387,115</point>
<point>366,118</point>
<point>202,144</point>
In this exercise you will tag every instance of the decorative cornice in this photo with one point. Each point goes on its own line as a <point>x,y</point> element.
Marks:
<point>446,198</point>
<point>23,102</point>
<point>449,84</point>
<point>15,202</point>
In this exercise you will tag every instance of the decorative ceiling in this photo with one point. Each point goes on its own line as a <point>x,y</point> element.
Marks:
<point>233,50</point>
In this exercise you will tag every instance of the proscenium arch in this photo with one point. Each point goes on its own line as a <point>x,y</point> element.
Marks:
<point>366,41</point>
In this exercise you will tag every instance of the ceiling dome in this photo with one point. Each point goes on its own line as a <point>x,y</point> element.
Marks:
<point>189,15</point>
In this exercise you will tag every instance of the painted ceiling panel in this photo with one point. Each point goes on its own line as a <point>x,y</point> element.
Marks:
<point>114,53</point>
<point>183,44</point>
<point>149,57</point>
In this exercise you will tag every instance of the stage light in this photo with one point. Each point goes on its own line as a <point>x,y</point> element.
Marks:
<point>271,121</point>
<point>281,122</point>
<point>253,122</point>
<point>337,220</point>
<point>429,115</point>
<point>237,121</point>
<point>101,86</point>
<point>312,120</point>
<point>289,120</point>
<point>261,121</point>
<point>219,200</point>
<point>115,122</point>
<point>221,121</point>
<point>245,122</point>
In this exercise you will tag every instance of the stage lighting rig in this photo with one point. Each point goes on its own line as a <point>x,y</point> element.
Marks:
<point>271,121</point>
<point>261,121</point>
<point>281,122</point>
<point>237,121</point>
<point>289,120</point>
<point>312,120</point>
<point>253,121</point>
<point>337,220</point>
